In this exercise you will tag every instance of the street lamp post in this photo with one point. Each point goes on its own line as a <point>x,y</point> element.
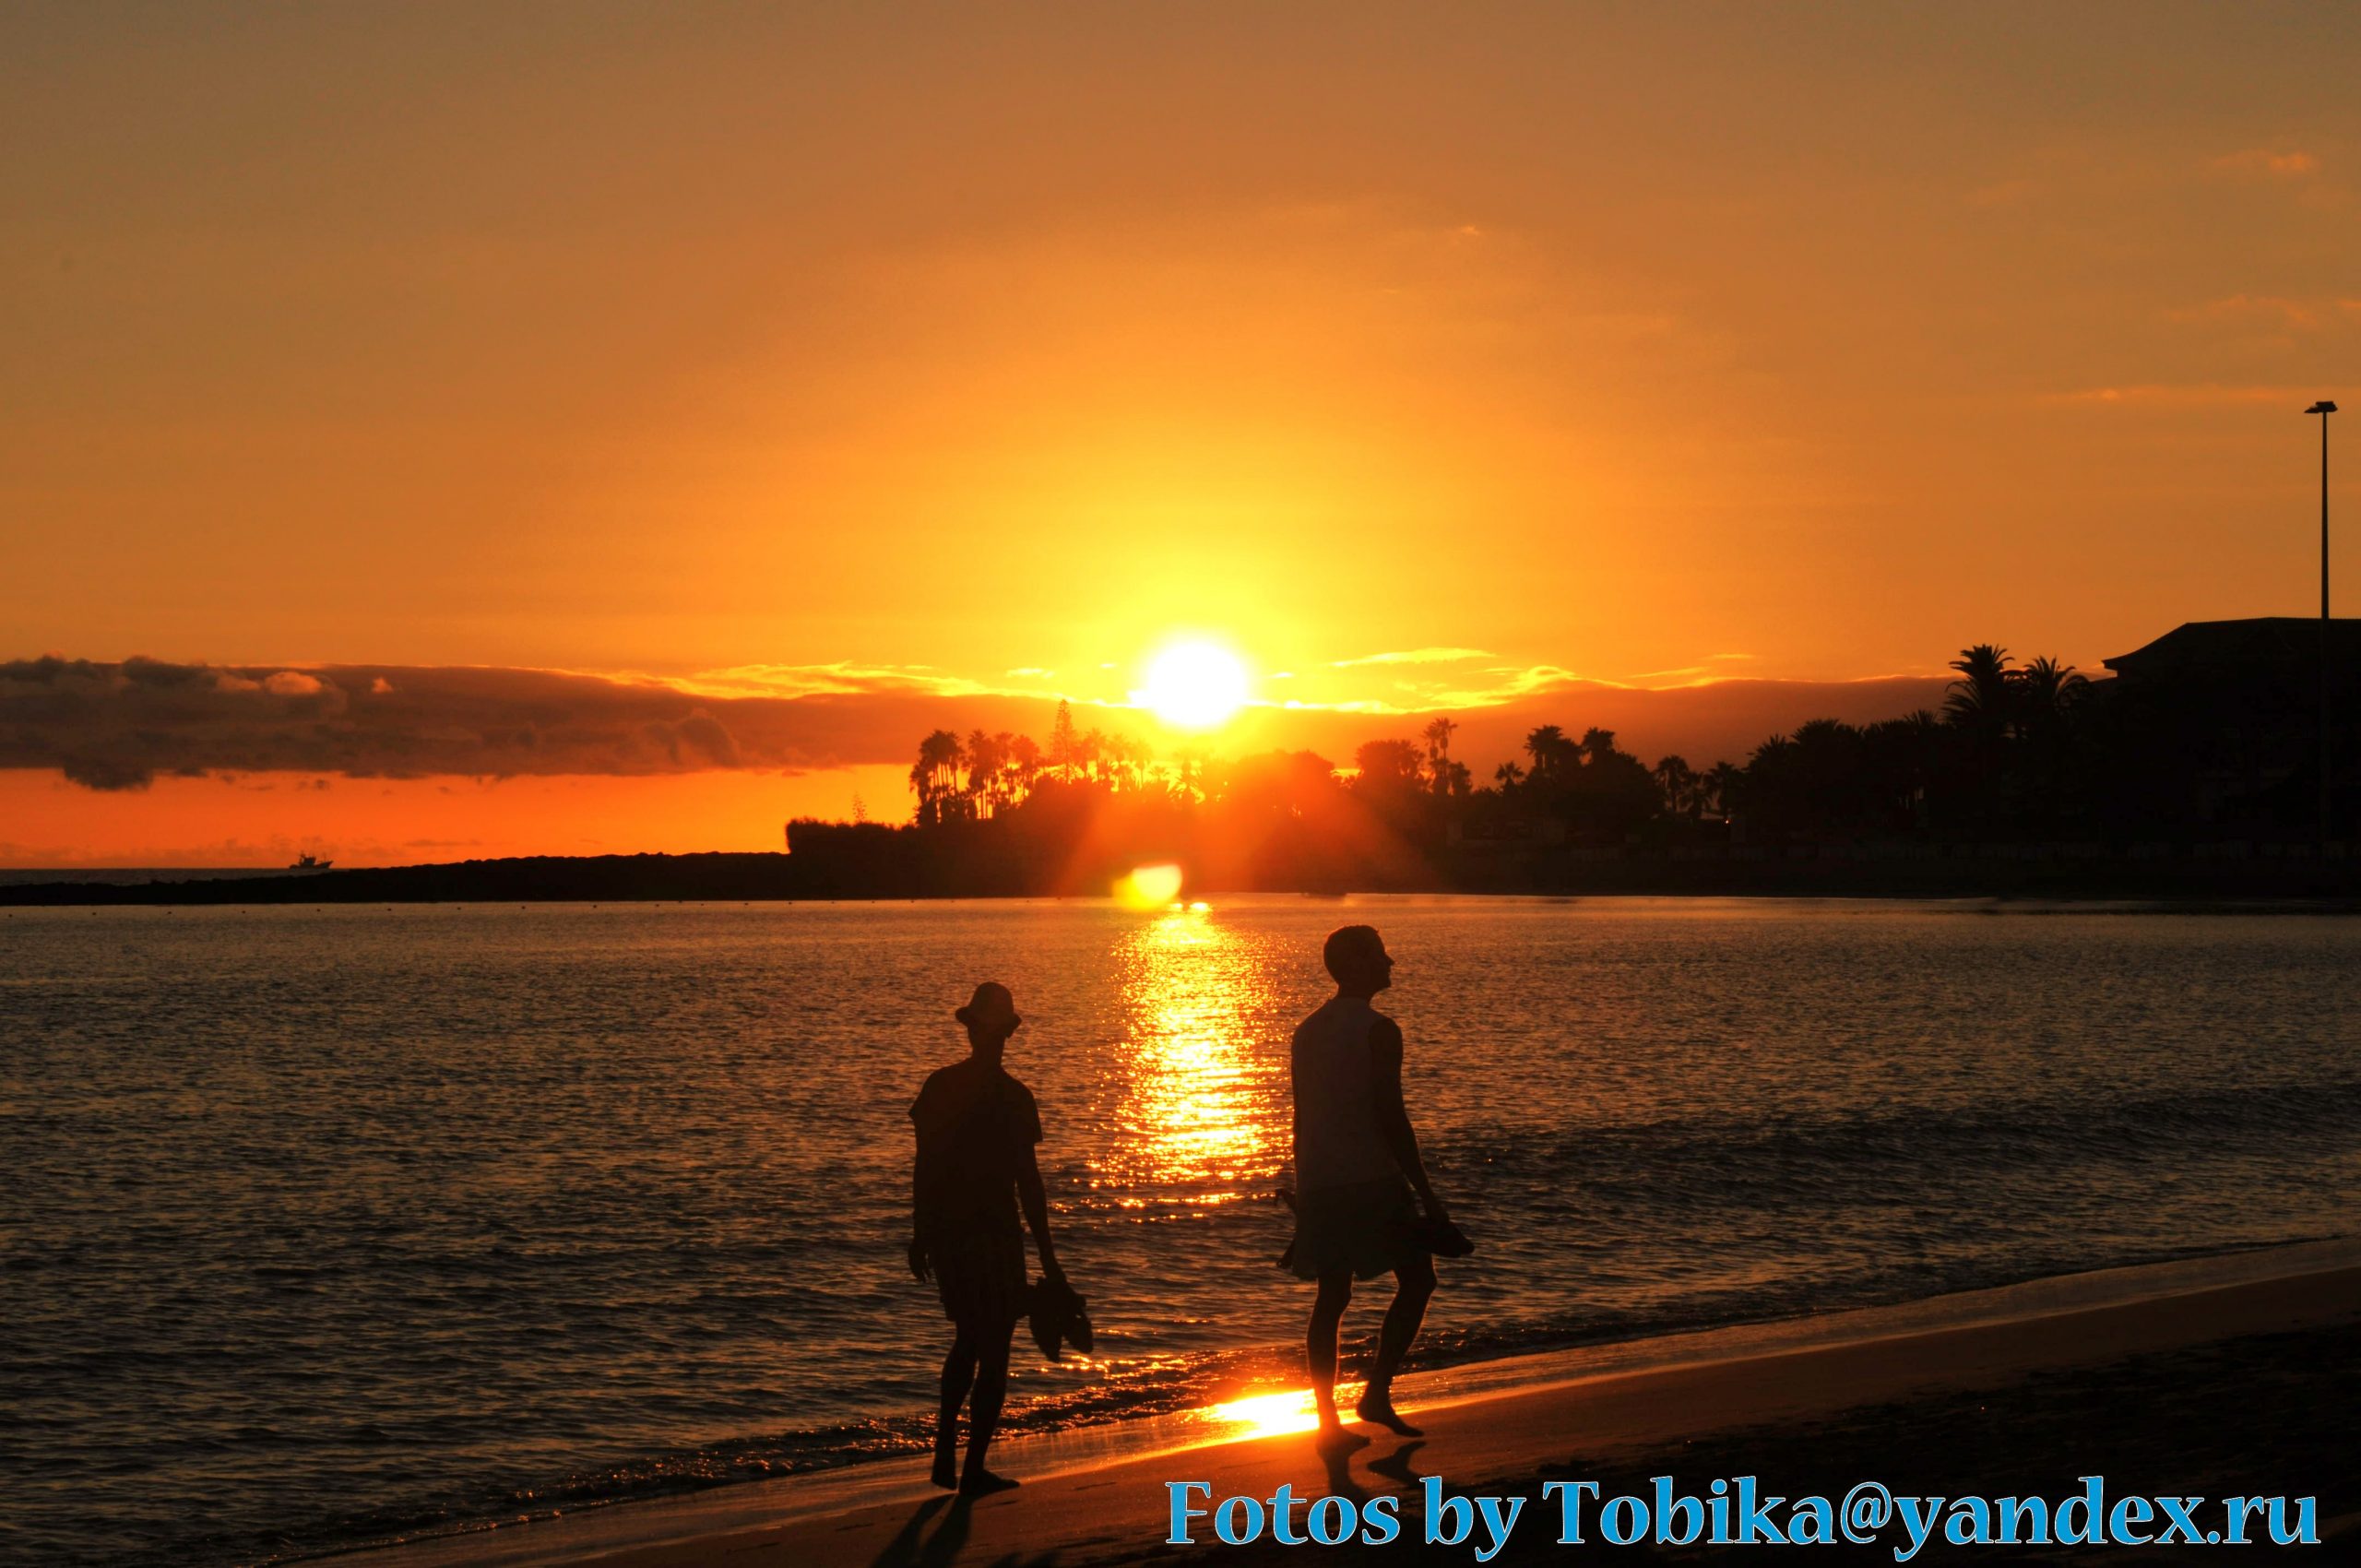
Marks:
<point>2323,408</point>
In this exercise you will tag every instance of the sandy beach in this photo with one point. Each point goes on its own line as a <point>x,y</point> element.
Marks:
<point>2212,1376</point>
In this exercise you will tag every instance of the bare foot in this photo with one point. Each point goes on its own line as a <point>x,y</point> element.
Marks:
<point>946,1469</point>
<point>982,1483</point>
<point>1336,1439</point>
<point>1377,1408</point>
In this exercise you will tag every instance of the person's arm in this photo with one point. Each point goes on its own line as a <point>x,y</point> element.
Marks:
<point>921,1183</point>
<point>918,1211</point>
<point>1036,1212</point>
<point>1393,1116</point>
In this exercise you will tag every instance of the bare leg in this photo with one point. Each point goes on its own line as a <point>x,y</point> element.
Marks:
<point>1320,1349</point>
<point>983,1415</point>
<point>958,1376</point>
<point>1414,1284</point>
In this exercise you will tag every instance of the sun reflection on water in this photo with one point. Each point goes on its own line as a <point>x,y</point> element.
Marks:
<point>1201,1109</point>
<point>1268,1415</point>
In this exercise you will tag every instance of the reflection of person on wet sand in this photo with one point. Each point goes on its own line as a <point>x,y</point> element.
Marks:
<point>1356,1166</point>
<point>977,1127</point>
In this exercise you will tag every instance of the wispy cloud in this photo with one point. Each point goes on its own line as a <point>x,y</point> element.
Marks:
<point>2281,164</point>
<point>2270,309</point>
<point>810,679</point>
<point>1515,684</point>
<point>1414,656</point>
<point>2198,394</point>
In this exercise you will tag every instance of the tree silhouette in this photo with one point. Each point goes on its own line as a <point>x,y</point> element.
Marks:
<point>1438,735</point>
<point>936,775</point>
<point>1023,764</point>
<point>1679,786</point>
<point>1550,751</point>
<point>1722,783</point>
<point>1982,699</point>
<point>983,775</point>
<point>1389,766</point>
<point>2048,693</point>
<point>1061,743</point>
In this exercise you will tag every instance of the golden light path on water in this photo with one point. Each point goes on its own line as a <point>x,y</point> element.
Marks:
<point>1200,1118</point>
<point>1203,1118</point>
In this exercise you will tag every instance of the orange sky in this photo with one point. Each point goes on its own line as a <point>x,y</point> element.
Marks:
<point>1642,344</point>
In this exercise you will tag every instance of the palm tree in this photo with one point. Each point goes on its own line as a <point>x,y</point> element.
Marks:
<point>2049,691</point>
<point>1003,777</point>
<point>1024,766</point>
<point>1063,743</point>
<point>983,768</point>
<point>1132,757</point>
<point>1508,776</point>
<point>1188,771</point>
<point>1982,698</point>
<point>936,775</point>
<point>1598,744</point>
<point>1679,786</point>
<point>1722,782</point>
<point>1438,735</point>
<point>1386,764</point>
<point>1548,746</point>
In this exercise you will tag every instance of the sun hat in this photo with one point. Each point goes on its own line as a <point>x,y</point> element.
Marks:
<point>990,1005</point>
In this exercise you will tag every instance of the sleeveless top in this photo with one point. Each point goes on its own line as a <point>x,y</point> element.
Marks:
<point>1337,1142</point>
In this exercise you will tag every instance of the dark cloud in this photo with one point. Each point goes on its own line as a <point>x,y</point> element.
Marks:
<point>119,726</point>
<point>100,773</point>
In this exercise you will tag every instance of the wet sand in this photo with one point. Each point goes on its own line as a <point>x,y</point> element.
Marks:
<point>2209,1376</point>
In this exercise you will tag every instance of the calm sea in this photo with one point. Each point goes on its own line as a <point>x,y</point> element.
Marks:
<point>323,1224</point>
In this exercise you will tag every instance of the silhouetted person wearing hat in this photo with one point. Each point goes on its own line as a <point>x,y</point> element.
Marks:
<point>977,1127</point>
<point>1357,1167</point>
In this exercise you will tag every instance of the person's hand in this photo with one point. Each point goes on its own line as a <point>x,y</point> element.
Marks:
<point>1051,1269</point>
<point>1436,1212</point>
<point>918,1258</point>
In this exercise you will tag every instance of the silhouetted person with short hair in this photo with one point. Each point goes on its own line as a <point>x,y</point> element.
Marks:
<point>1357,1167</point>
<point>977,1127</point>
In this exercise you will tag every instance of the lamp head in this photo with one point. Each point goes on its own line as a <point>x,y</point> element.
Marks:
<point>2322,406</point>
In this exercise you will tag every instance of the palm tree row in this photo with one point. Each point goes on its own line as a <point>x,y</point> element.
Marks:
<point>2010,743</point>
<point>986,774</point>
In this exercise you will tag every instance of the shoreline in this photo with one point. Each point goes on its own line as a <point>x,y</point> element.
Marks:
<point>1095,1494</point>
<point>2095,901</point>
<point>2194,875</point>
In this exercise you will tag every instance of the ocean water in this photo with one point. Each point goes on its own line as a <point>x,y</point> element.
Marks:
<point>328,1225</point>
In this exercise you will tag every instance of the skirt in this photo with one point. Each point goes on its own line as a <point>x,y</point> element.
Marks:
<point>979,1273</point>
<point>1370,1227</point>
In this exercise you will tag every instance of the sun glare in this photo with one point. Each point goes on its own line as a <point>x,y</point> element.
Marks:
<point>1150,887</point>
<point>1193,686</point>
<point>1267,1415</point>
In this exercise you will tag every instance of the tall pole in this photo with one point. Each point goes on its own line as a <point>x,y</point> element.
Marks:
<point>2324,408</point>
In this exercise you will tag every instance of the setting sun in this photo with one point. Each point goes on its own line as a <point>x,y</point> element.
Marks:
<point>1193,686</point>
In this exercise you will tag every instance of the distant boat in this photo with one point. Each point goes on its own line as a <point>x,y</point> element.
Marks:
<point>311,862</point>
